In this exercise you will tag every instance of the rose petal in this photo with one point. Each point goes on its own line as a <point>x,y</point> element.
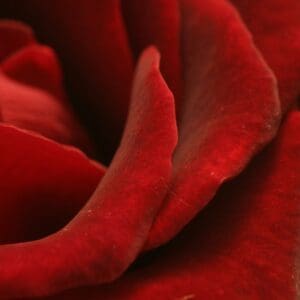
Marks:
<point>37,66</point>
<point>13,36</point>
<point>108,233</point>
<point>244,245</point>
<point>157,22</point>
<point>42,184</point>
<point>38,111</point>
<point>230,111</point>
<point>275,25</point>
<point>91,41</point>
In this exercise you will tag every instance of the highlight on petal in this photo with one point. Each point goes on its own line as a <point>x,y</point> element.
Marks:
<point>230,111</point>
<point>275,25</point>
<point>109,232</point>
<point>244,245</point>
<point>91,41</point>
<point>13,36</point>
<point>157,22</point>
<point>42,184</point>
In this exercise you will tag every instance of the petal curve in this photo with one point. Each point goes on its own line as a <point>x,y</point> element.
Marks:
<point>38,66</point>
<point>275,25</point>
<point>43,184</point>
<point>244,245</point>
<point>230,111</point>
<point>157,22</point>
<point>38,111</point>
<point>108,233</point>
<point>91,41</point>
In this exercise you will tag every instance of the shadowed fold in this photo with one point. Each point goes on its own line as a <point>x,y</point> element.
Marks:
<point>43,184</point>
<point>32,96</point>
<point>230,111</point>
<point>157,22</point>
<point>275,25</point>
<point>109,232</point>
<point>91,41</point>
<point>244,245</point>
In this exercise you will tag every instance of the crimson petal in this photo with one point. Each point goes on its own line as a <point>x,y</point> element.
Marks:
<point>38,66</point>
<point>91,41</point>
<point>157,22</point>
<point>42,184</point>
<point>38,111</point>
<point>108,233</point>
<point>244,245</point>
<point>275,25</point>
<point>231,110</point>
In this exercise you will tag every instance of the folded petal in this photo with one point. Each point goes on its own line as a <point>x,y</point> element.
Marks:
<point>13,36</point>
<point>42,184</point>
<point>230,110</point>
<point>38,111</point>
<point>108,233</point>
<point>157,22</point>
<point>275,25</point>
<point>38,66</point>
<point>244,245</point>
<point>90,39</point>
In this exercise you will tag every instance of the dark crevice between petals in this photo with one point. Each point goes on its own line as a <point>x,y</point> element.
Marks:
<point>43,184</point>
<point>14,35</point>
<point>106,236</point>
<point>157,22</point>
<point>230,111</point>
<point>33,98</point>
<point>243,245</point>
<point>91,41</point>
<point>275,26</point>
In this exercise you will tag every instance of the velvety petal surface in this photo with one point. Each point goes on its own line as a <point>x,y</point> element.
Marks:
<point>109,232</point>
<point>230,110</point>
<point>244,245</point>
<point>91,41</point>
<point>42,184</point>
<point>275,25</point>
<point>157,22</point>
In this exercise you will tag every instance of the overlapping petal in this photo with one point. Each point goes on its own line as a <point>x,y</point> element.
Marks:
<point>108,233</point>
<point>37,66</point>
<point>42,184</point>
<point>230,111</point>
<point>157,22</point>
<point>91,40</point>
<point>275,25</point>
<point>244,245</point>
<point>38,111</point>
<point>31,89</point>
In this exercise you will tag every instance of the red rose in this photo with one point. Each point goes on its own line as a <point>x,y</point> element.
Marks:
<point>164,219</point>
